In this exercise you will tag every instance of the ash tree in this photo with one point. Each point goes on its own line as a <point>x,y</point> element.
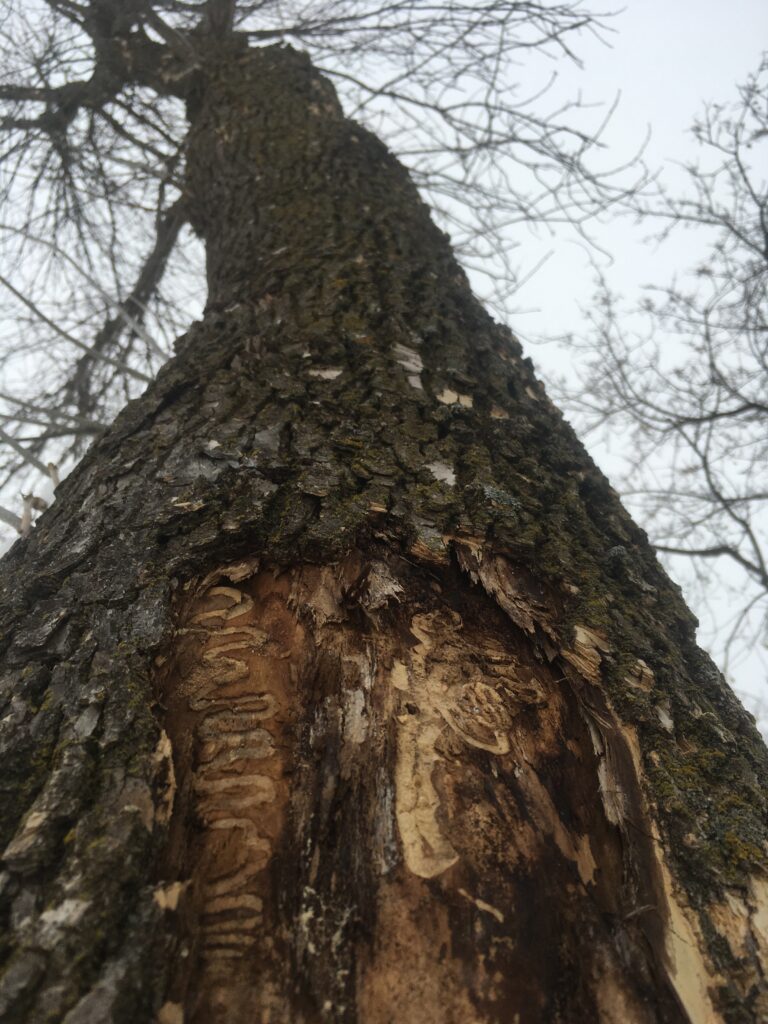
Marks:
<point>337,684</point>
<point>686,374</point>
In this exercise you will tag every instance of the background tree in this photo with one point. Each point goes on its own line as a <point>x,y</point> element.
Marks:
<point>686,375</point>
<point>337,684</point>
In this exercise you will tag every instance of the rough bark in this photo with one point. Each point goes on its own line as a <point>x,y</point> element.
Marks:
<point>338,685</point>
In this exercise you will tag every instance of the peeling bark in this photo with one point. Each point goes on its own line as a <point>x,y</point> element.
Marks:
<point>337,684</point>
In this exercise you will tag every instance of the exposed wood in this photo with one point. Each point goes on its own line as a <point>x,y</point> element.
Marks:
<point>394,805</point>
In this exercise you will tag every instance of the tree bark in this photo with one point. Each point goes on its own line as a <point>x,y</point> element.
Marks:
<point>338,684</point>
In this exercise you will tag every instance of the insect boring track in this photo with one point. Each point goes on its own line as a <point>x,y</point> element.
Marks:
<point>229,689</point>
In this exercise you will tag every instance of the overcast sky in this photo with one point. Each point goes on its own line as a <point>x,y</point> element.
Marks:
<point>666,60</point>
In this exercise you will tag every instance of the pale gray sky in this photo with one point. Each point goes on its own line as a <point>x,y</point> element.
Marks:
<point>666,60</point>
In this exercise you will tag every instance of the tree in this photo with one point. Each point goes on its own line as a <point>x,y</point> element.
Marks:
<point>689,384</point>
<point>339,686</point>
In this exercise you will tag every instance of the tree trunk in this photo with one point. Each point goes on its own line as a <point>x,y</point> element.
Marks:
<point>338,685</point>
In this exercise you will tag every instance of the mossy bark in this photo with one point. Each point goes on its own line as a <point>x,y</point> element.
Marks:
<point>337,684</point>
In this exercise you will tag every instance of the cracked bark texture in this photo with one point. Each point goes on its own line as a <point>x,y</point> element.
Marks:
<point>337,685</point>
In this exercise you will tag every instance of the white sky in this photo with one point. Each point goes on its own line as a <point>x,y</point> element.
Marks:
<point>666,60</point>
